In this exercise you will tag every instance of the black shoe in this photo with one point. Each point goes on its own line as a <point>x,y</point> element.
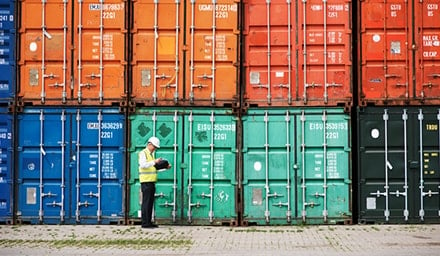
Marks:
<point>150,226</point>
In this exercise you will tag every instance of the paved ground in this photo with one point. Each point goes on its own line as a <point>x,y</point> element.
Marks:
<point>207,240</point>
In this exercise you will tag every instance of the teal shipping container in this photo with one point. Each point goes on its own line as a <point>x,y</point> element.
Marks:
<point>200,144</point>
<point>296,166</point>
<point>70,166</point>
<point>399,177</point>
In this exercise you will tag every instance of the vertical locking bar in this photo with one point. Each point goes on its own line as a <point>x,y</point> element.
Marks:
<point>214,41</point>
<point>42,154</point>
<point>211,185</point>
<point>386,186</point>
<point>79,49</point>
<point>266,146</point>
<point>289,53</point>
<point>268,52</point>
<point>325,55</point>
<point>405,150</point>
<point>63,152</point>
<point>156,38</point>
<point>99,185</point>
<point>174,213</point>
<point>304,53</point>
<point>324,145</point>
<point>176,62</point>
<point>190,147</point>
<point>191,61</point>
<point>43,50</point>
<point>422,193</point>
<point>64,93</point>
<point>303,158</point>
<point>288,186</point>
<point>101,46</point>
<point>78,151</point>
<point>154,119</point>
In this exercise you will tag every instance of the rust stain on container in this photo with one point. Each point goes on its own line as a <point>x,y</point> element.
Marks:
<point>298,60</point>
<point>96,71</point>
<point>399,55</point>
<point>209,74</point>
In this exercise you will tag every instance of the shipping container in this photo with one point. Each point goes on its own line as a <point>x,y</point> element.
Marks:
<point>398,165</point>
<point>399,52</point>
<point>296,166</point>
<point>297,53</point>
<point>7,51</point>
<point>6,166</point>
<point>70,166</point>
<point>72,52</point>
<point>200,145</point>
<point>185,54</point>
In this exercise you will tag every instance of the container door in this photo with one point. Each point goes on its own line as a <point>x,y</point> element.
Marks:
<point>324,171</point>
<point>268,167</point>
<point>45,51</point>
<point>269,43</point>
<point>385,52</point>
<point>210,158</point>
<point>427,15</point>
<point>42,180</point>
<point>7,51</point>
<point>167,126</point>
<point>324,55</point>
<point>97,169</point>
<point>6,167</point>
<point>427,181</point>
<point>100,57</point>
<point>211,36</point>
<point>399,179</point>
<point>157,51</point>
<point>385,149</point>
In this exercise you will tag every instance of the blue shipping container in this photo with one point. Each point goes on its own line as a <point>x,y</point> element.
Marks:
<point>71,166</point>
<point>6,166</point>
<point>7,51</point>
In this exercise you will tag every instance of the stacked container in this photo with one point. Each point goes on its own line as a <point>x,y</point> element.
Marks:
<point>296,101</point>
<point>73,52</point>
<point>185,91</point>
<point>7,52</point>
<point>398,114</point>
<point>71,98</point>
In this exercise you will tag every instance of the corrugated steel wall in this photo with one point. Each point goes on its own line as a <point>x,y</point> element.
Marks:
<point>258,105</point>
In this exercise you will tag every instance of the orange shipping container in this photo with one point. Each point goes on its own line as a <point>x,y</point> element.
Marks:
<point>297,53</point>
<point>185,54</point>
<point>400,56</point>
<point>90,71</point>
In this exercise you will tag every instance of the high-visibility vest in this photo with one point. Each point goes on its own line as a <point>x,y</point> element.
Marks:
<point>147,174</point>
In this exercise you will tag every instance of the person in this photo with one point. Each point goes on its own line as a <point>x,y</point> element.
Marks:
<point>148,178</point>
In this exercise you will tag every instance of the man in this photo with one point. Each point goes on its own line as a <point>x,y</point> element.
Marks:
<point>148,178</point>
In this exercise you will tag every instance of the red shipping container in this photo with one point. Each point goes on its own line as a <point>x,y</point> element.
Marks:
<point>196,64</point>
<point>298,60</point>
<point>427,64</point>
<point>95,74</point>
<point>399,55</point>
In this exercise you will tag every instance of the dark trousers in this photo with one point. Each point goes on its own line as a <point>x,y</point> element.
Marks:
<point>148,190</point>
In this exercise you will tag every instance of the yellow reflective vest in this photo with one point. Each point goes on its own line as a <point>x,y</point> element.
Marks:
<point>147,174</point>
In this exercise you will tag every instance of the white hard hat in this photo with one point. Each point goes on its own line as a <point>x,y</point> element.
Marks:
<point>155,141</point>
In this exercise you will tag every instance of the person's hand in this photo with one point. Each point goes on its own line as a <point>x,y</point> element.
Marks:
<point>157,160</point>
<point>169,166</point>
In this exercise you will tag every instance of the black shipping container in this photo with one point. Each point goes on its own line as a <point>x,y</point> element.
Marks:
<point>399,178</point>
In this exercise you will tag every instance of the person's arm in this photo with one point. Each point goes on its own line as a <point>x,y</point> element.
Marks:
<point>143,163</point>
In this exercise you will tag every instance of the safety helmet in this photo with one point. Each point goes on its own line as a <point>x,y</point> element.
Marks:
<point>155,141</point>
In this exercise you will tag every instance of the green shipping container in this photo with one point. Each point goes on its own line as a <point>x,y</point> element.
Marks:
<point>201,146</point>
<point>399,178</point>
<point>296,166</point>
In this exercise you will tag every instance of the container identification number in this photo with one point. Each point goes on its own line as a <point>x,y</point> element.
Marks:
<point>431,8</point>
<point>431,127</point>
